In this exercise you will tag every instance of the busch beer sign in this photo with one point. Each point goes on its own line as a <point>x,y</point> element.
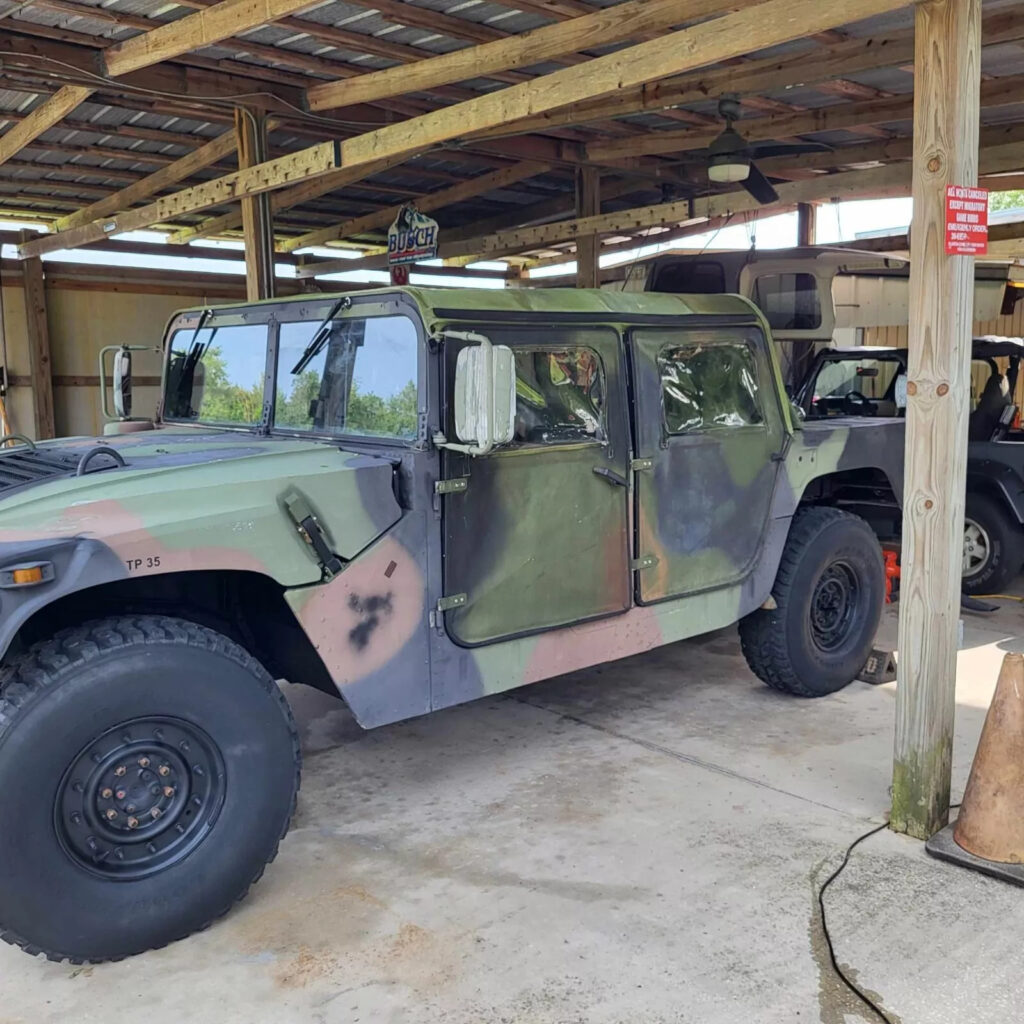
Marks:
<point>412,237</point>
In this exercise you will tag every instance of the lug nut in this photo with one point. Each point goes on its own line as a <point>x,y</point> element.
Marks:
<point>106,793</point>
<point>111,814</point>
<point>130,808</point>
<point>164,770</point>
<point>156,812</point>
<point>133,822</point>
<point>120,770</point>
<point>143,762</point>
<point>76,818</point>
<point>168,791</point>
<point>120,794</point>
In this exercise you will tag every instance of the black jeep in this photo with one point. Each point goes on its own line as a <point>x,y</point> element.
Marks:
<point>871,381</point>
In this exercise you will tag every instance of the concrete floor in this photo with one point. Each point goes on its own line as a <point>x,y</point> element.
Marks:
<point>636,843</point>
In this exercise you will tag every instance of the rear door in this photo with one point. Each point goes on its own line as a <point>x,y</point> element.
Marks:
<point>709,435</point>
<point>536,534</point>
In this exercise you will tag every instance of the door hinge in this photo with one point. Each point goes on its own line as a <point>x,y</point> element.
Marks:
<point>637,465</point>
<point>644,562</point>
<point>452,601</point>
<point>456,485</point>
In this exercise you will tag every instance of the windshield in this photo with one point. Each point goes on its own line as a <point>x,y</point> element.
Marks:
<point>358,378</point>
<point>868,377</point>
<point>216,374</point>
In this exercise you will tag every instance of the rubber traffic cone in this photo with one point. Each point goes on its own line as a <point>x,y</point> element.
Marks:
<point>988,834</point>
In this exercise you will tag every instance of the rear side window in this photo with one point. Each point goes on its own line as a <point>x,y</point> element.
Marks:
<point>709,385</point>
<point>790,302</point>
<point>560,395</point>
<point>705,277</point>
<point>216,375</point>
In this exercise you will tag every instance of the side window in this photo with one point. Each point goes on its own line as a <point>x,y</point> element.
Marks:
<point>790,302</point>
<point>690,277</point>
<point>361,379</point>
<point>216,375</point>
<point>709,385</point>
<point>560,395</point>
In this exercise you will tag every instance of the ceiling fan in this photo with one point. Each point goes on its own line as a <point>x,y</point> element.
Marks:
<point>731,157</point>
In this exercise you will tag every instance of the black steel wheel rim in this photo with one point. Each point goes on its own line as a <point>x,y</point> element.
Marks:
<point>834,606</point>
<point>140,797</point>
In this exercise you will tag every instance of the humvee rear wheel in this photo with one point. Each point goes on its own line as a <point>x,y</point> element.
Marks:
<point>829,593</point>
<point>148,770</point>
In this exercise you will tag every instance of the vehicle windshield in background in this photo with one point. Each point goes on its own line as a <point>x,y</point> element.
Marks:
<point>355,376</point>
<point>866,386</point>
<point>351,376</point>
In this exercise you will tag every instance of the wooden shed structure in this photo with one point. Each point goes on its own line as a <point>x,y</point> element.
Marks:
<point>535,131</point>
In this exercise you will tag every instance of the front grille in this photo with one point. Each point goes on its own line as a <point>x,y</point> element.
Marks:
<point>22,466</point>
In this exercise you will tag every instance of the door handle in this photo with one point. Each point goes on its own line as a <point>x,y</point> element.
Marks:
<point>612,477</point>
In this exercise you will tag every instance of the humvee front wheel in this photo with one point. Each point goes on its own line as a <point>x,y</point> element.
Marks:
<point>148,770</point>
<point>829,593</point>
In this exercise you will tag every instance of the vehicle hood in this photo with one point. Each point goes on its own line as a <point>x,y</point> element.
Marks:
<point>189,499</point>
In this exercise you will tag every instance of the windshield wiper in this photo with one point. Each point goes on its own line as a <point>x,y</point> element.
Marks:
<point>320,336</point>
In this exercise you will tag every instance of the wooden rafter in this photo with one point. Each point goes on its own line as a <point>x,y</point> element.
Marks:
<point>42,118</point>
<point>142,189</point>
<point>994,92</point>
<point>817,65</point>
<point>433,201</point>
<point>627,20</point>
<point>770,23</point>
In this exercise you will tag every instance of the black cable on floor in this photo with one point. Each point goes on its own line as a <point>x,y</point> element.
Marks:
<point>841,974</point>
<point>848,982</point>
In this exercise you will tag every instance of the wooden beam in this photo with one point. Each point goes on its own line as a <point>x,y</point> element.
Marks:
<point>770,23</point>
<point>820,64</point>
<point>947,74</point>
<point>432,201</point>
<point>257,220</point>
<point>625,21</point>
<point>41,119</point>
<point>142,189</point>
<point>38,333</point>
<point>203,28</point>
<point>840,116</point>
<point>588,204</point>
<point>306,163</point>
<point>287,198</point>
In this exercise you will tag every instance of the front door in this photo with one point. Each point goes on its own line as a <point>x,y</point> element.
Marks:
<point>709,430</point>
<point>539,535</point>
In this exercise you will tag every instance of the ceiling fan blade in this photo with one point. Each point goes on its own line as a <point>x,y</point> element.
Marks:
<point>768,149</point>
<point>760,187</point>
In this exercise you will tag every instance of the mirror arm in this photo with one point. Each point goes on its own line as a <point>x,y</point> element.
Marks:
<point>440,441</point>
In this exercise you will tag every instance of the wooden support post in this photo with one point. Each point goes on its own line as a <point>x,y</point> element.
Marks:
<point>806,223</point>
<point>947,74</point>
<point>38,343</point>
<point>257,219</point>
<point>588,204</point>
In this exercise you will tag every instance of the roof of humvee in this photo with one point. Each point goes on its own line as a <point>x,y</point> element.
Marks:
<point>451,303</point>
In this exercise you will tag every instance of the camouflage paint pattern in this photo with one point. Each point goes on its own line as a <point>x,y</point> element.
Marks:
<point>538,542</point>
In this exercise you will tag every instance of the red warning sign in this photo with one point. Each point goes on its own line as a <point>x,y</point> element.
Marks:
<point>966,221</point>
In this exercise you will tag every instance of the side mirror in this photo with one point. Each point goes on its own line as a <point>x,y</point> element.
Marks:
<point>485,396</point>
<point>121,380</point>
<point>122,385</point>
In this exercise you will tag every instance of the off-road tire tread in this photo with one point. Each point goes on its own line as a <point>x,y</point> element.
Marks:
<point>27,677</point>
<point>762,642</point>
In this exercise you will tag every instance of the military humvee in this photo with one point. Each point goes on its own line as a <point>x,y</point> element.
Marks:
<point>407,497</point>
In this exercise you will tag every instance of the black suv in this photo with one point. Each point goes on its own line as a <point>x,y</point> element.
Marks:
<point>871,381</point>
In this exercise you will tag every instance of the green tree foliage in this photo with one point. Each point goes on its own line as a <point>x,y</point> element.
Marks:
<point>223,401</point>
<point>1012,200</point>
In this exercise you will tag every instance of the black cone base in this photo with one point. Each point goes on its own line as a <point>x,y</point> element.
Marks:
<point>943,846</point>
